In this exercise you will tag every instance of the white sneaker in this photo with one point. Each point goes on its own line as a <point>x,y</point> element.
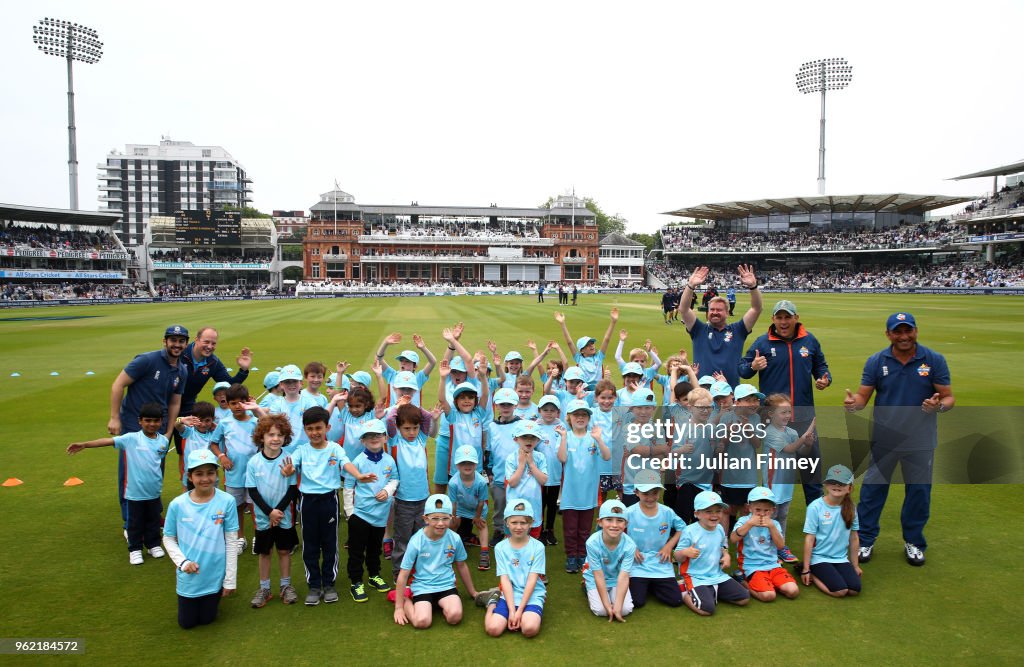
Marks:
<point>241,545</point>
<point>914,554</point>
<point>157,552</point>
<point>135,558</point>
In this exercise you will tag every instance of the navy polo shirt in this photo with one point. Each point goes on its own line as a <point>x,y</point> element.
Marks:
<point>154,380</point>
<point>899,391</point>
<point>718,350</point>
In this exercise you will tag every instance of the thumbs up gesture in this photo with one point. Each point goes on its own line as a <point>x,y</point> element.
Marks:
<point>850,402</point>
<point>759,363</point>
<point>823,382</point>
<point>931,404</point>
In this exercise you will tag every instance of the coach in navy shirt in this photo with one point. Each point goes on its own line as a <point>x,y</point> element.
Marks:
<point>157,377</point>
<point>717,345</point>
<point>203,364</point>
<point>911,384</point>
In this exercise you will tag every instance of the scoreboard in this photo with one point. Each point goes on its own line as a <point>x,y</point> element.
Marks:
<point>207,228</point>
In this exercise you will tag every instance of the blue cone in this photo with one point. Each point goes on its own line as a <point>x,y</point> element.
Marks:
<point>54,373</point>
<point>15,375</point>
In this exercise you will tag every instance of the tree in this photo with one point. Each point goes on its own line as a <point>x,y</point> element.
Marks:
<point>647,239</point>
<point>606,224</point>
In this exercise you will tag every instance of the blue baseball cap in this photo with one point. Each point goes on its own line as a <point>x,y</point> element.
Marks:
<point>466,387</point>
<point>438,503</point>
<point>744,390</point>
<point>612,509</point>
<point>647,480</point>
<point>176,330</point>
<point>290,372</point>
<point>897,319</point>
<point>409,355</point>
<point>839,473</point>
<point>632,368</point>
<point>525,427</point>
<point>577,405</point>
<point>271,380</point>
<point>201,457</point>
<point>507,396</point>
<point>374,426</point>
<point>573,373</point>
<point>519,507</point>
<point>706,499</point>
<point>583,341</point>
<point>513,356</point>
<point>721,388</point>
<point>332,381</point>
<point>220,386</point>
<point>643,398</point>
<point>405,380</point>
<point>549,400</point>
<point>706,380</point>
<point>457,364</point>
<point>761,493</point>
<point>362,377</point>
<point>466,454</point>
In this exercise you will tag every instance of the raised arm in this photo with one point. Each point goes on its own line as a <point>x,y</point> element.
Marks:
<point>453,341</point>
<point>685,310</point>
<point>422,347</point>
<point>537,357</point>
<point>623,334</point>
<point>749,280</point>
<point>391,339</point>
<point>443,371</point>
<point>560,318</point>
<point>614,317</point>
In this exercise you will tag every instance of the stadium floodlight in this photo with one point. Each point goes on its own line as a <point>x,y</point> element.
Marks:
<point>71,41</point>
<point>819,76</point>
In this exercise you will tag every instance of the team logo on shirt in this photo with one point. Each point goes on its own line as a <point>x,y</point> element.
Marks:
<point>205,370</point>
<point>662,529</point>
<point>156,376</point>
<point>728,336</point>
<point>514,562</point>
<point>773,351</point>
<point>218,518</point>
<point>804,352</point>
<point>388,469</point>
<point>762,539</point>
<point>592,449</point>
<point>176,381</point>
<point>332,461</point>
<point>885,371</point>
<point>923,370</point>
<point>827,516</point>
<point>449,552</point>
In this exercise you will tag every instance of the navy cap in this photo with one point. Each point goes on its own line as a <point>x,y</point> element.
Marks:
<point>176,330</point>
<point>897,319</point>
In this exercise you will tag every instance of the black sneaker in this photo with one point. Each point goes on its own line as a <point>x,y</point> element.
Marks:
<point>864,553</point>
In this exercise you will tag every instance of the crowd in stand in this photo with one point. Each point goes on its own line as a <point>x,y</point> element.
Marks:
<point>14,235</point>
<point>1007,199</point>
<point>447,229</point>
<point>171,290</point>
<point>198,255</point>
<point>905,236</point>
<point>1008,272</point>
<point>37,291</point>
<point>453,254</point>
<point>327,286</point>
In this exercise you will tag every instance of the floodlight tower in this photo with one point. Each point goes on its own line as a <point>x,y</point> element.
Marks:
<point>71,41</point>
<point>818,76</point>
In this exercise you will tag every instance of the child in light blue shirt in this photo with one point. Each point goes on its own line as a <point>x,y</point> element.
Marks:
<point>610,554</point>
<point>518,604</point>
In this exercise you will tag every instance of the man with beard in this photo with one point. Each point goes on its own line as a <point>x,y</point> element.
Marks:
<point>788,360</point>
<point>152,377</point>
<point>718,345</point>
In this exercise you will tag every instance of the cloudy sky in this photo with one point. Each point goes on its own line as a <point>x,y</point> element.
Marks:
<point>646,106</point>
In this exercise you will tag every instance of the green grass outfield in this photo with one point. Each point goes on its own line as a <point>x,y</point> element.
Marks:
<point>64,570</point>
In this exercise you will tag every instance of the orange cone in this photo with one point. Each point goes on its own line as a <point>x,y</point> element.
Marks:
<point>73,481</point>
<point>13,481</point>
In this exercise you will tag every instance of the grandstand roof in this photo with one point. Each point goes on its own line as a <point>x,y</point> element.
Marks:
<point>616,238</point>
<point>57,216</point>
<point>1005,170</point>
<point>898,202</point>
<point>464,211</point>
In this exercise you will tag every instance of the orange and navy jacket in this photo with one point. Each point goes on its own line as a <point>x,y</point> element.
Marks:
<point>793,366</point>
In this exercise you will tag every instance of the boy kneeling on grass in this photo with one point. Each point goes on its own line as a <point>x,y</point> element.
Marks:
<point>435,552</point>
<point>518,604</point>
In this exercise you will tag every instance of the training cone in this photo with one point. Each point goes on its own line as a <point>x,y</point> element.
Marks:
<point>253,369</point>
<point>231,370</point>
<point>73,481</point>
<point>15,375</point>
<point>12,481</point>
<point>89,373</point>
<point>54,373</point>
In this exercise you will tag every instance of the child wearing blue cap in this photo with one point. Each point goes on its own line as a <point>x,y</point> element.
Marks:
<point>143,453</point>
<point>639,355</point>
<point>643,443</point>
<point>580,451</point>
<point>501,445</point>
<point>740,446</point>
<point>435,552</point>
<point>585,352</point>
<point>526,471</point>
<point>468,491</point>
<point>703,555</point>
<point>691,444</point>
<point>610,553</point>
<point>200,535</point>
<point>518,604</point>
<point>466,417</point>
<point>831,541</point>
<point>222,411</point>
<point>231,442</point>
<point>782,443</point>
<point>656,530</point>
<point>195,430</point>
<point>408,361</point>
<point>758,538</point>
<point>368,506</point>
<point>550,420</point>
<point>293,402</point>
